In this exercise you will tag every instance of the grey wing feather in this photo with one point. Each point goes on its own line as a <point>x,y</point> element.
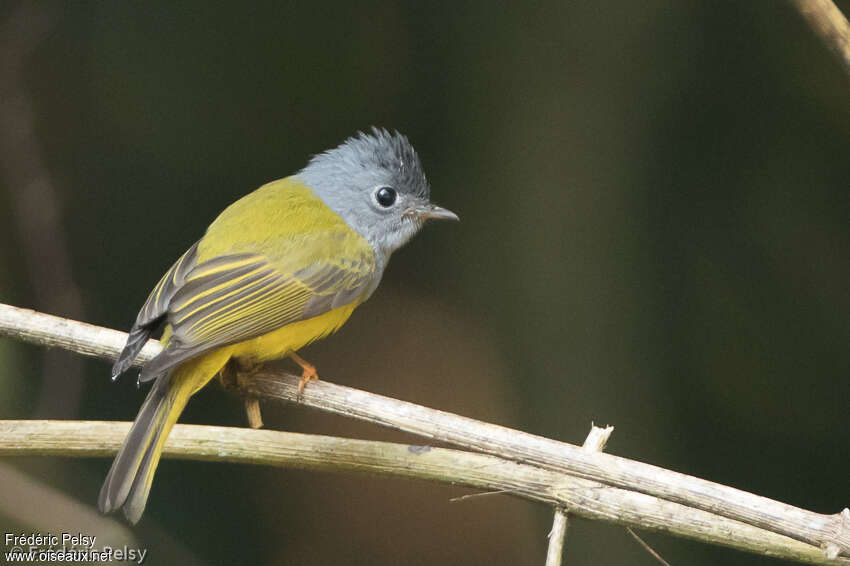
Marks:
<point>160,298</point>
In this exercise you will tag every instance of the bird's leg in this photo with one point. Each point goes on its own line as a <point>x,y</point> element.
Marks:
<point>308,371</point>
<point>228,376</point>
<point>233,376</point>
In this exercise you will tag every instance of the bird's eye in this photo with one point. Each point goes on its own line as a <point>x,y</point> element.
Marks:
<point>385,196</point>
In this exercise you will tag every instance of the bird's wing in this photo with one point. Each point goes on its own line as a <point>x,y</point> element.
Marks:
<point>237,297</point>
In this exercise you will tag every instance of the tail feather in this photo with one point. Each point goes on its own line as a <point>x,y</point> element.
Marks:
<point>129,480</point>
<point>137,497</point>
<point>128,483</point>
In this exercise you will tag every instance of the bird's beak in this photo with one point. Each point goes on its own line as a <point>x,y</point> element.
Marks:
<point>434,212</point>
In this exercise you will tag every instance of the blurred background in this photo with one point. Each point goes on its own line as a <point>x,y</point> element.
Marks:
<point>654,203</point>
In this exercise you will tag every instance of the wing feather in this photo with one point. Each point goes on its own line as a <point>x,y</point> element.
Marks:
<point>160,297</point>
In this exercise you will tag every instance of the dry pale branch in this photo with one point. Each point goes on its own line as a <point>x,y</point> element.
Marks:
<point>614,489</point>
<point>829,532</point>
<point>830,24</point>
<point>557,538</point>
<point>313,452</point>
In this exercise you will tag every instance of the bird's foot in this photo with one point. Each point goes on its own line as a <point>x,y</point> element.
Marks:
<point>308,371</point>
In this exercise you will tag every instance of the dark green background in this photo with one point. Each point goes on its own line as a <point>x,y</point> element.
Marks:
<point>654,203</point>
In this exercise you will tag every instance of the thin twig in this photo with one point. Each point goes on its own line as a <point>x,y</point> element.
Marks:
<point>476,495</point>
<point>595,442</point>
<point>829,23</point>
<point>557,537</point>
<point>614,489</point>
<point>646,547</point>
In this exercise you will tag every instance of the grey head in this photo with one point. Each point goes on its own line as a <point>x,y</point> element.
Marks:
<point>375,182</point>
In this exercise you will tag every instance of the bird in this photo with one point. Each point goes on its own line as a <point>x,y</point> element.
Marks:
<point>281,267</point>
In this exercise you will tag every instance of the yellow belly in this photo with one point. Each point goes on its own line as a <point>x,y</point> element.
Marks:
<point>193,374</point>
<point>291,337</point>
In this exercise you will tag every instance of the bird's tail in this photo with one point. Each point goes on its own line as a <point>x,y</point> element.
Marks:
<point>129,480</point>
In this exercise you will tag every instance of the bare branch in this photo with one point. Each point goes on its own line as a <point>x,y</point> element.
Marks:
<point>305,451</point>
<point>824,531</point>
<point>614,489</point>
<point>53,331</point>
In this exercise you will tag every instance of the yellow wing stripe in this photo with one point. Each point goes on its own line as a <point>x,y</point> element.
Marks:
<point>228,313</point>
<point>232,283</point>
<point>268,318</point>
<point>264,304</point>
<point>270,315</point>
<point>269,301</point>
<point>212,268</point>
<point>157,302</point>
<point>215,316</point>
